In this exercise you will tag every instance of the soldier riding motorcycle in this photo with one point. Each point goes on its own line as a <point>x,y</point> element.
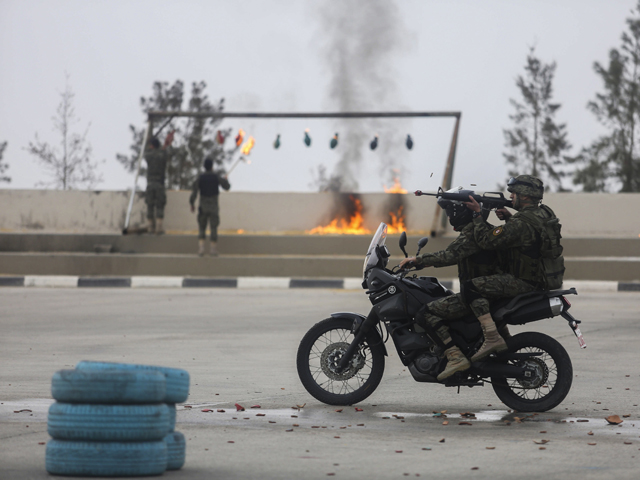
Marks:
<point>340,360</point>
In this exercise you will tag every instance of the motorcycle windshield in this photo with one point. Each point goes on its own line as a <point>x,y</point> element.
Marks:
<point>379,239</point>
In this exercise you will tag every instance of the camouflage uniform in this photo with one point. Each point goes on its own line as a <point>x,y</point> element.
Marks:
<point>155,196</point>
<point>523,272</point>
<point>207,185</point>
<point>472,262</point>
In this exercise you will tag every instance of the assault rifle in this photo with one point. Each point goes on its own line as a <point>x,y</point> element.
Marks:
<point>489,200</point>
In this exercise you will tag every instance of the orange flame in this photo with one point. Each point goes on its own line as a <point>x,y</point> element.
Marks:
<point>396,188</point>
<point>340,225</point>
<point>397,221</point>
<point>248,145</point>
<point>239,137</point>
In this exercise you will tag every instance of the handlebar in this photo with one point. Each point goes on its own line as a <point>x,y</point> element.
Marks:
<point>403,272</point>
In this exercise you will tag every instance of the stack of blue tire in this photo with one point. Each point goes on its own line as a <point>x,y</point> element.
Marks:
<point>115,420</point>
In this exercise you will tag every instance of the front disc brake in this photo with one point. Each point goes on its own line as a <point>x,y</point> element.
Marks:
<point>331,358</point>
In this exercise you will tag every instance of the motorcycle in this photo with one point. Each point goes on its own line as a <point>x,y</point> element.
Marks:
<point>340,360</point>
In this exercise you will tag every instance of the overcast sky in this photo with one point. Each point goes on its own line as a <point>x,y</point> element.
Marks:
<point>272,56</point>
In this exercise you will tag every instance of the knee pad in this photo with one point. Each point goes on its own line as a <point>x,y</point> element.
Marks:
<point>469,292</point>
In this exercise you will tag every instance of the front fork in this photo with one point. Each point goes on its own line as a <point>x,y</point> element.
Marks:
<point>361,329</point>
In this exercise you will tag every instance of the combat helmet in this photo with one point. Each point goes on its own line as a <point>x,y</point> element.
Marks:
<point>527,185</point>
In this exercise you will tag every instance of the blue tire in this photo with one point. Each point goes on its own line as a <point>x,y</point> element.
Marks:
<point>172,416</point>
<point>108,423</point>
<point>104,387</point>
<point>105,459</point>
<point>176,450</point>
<point>177,379</point>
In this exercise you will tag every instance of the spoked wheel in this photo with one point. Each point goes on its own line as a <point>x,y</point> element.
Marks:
<point>319,353</point>
<point>550,377</point>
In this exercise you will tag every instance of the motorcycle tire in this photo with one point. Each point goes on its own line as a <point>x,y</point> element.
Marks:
<point>550,385</point>
<point>319,351</point>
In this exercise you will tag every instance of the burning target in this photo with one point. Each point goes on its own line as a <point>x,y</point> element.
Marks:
<point>248,146</point>
<point>239,137</point>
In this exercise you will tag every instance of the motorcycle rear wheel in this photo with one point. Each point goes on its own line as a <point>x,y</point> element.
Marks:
<point>551,382</point>
<point>320,350</point>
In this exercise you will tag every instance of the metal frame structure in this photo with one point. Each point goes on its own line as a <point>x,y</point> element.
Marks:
<point>156,115</point>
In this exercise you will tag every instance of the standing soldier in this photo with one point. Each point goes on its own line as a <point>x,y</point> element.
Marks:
<point>208,185</point>
<point>155,195</point>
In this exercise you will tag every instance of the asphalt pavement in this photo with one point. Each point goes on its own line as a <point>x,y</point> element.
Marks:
<point>239,346</point>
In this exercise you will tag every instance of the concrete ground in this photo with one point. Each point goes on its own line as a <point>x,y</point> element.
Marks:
<point>239,347</point>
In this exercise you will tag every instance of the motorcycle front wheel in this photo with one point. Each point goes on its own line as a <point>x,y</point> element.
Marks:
<point>551,377</point>
<point>320,351</point>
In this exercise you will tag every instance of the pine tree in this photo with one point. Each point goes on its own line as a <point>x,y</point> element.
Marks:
<point>71,166</point>
<point>612,161</point>
<point>536,143</point>
<point>3,165</point>
<point>195,138</point>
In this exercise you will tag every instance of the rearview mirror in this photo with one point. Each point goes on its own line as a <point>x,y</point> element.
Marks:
<point>421,243</point>
<point>403,243</point>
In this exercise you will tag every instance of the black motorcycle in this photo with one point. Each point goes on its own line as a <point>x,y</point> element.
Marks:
<point>341,360</point>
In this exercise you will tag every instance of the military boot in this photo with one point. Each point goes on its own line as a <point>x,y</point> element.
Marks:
<point>213,249</point>
<point>159,229</point>
<point>493,342</point>
<point>200,248</point>
<point>456,362</point>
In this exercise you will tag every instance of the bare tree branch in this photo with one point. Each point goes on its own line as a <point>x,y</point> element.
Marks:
<point>70,166</point>
<point>3,165</point>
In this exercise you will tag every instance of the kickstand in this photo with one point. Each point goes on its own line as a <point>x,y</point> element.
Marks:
<point>458,389</point>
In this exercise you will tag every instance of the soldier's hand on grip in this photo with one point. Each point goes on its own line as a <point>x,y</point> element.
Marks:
<point>503,213</point>
<point>407,263</point>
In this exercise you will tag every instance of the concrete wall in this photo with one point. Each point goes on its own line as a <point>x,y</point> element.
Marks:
<point>581,214</point>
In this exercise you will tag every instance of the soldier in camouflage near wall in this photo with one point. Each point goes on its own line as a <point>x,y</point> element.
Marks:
<point>155,195</point>
<point>472,262</point>
<point>520,241</point>
<point>208,186</point>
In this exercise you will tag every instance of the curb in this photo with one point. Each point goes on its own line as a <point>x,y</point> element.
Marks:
<point>350,283</point>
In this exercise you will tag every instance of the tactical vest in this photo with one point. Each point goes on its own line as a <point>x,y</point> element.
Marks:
<point>209,184</point>
<point>480,264</point>
<point>542,262</point>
